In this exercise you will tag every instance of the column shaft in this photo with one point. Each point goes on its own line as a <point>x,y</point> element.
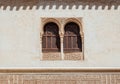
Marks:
<point>62,53</point>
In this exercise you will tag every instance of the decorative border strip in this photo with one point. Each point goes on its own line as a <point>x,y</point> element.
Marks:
<point>60,78</point>
<point>19,70</point>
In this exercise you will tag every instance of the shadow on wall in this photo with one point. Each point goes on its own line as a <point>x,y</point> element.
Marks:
<point>17,4</point>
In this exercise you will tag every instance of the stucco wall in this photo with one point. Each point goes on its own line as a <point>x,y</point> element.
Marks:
<point>20,32</point>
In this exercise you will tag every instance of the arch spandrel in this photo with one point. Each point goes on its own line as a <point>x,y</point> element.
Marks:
<point>77,21</point>
<point>49,20</point>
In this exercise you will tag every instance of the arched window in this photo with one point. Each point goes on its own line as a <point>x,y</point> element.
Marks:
<point>72,38</point>
<point>51,39</point>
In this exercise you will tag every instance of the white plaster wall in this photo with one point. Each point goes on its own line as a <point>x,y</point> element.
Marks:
<point>19,36</point>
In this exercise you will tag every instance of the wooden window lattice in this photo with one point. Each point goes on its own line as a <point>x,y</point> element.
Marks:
<point>72,38</point>
<point>51,39</point>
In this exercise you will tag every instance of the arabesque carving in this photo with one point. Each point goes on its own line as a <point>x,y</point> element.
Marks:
<point>61,78</point>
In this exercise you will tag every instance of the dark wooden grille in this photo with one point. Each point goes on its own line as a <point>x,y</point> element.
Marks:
<point>72,38</point>
<point>51,39</point>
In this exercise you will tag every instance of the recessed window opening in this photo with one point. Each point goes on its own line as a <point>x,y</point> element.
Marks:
<point>72,38</point>
<point>51,38</point>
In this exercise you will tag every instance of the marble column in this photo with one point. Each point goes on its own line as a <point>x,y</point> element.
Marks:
<point>61,42</point>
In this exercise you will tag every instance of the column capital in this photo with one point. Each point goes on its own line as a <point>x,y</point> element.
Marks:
<point>61,34</point>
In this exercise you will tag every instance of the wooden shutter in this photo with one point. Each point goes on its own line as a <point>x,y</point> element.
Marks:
<point>51,39</point>
<point>72,39</point>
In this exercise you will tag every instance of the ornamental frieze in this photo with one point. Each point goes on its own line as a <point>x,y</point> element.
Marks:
<point>60,78</point>
<point>58,3</point>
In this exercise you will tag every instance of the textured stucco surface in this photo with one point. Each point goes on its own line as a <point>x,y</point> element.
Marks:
<point>20,34</point>
<point>60,78</point>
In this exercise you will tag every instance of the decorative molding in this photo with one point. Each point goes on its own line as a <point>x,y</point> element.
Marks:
<point>63,70</point>
<point>73,56</point>
<point>47,20</point>
<point>60,78</point>
<point>44,3</point>
<point>51,56</point>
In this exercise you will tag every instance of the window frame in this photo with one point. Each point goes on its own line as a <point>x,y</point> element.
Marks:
<point>62,55</point>
<point>47,34</point>
<point>69,34</point>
